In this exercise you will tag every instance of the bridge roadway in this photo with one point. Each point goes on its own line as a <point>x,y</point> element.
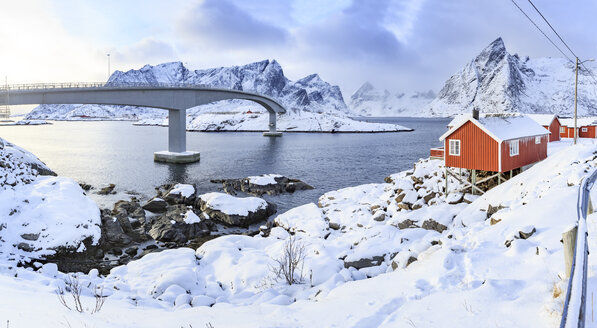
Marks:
<point>175,98</point>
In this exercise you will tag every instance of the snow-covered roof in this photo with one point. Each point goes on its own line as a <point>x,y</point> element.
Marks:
<point>503,128</point>
<point>458,118</point>
<point>580,121</point>
<point>543,119</point>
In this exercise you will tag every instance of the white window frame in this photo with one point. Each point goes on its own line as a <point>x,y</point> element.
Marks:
<point>454,147</point>
<point>537,140</point>
<point>583,130</point>
<point>562,129</point>
<point>514,148</point>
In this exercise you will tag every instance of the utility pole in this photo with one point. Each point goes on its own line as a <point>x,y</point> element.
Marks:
<point>575,99</point>
<point>108,66</point>
<point>576,94</point>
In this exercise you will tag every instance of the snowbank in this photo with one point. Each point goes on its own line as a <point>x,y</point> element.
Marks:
<point>40,214</point>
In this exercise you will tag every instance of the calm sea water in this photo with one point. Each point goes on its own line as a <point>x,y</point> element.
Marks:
<point>99,153</point>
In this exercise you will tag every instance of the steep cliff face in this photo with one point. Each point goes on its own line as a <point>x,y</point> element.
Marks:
<point>265,77</point>
<point>369,101</point>
<point>496,82</point>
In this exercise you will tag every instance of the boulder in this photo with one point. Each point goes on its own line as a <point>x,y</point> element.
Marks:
<point>334,226</point>
<point>235,211</point>
<point>493,209</point>
<point>379,216</point>
<point>156,205</point>
<point>407,224</point>
<point>400,197</point>
<point>431,224</point>
<point>364,263</point>
<point>271,184</point>
<point>30,236</point>
<point>113,234</point>
<point>180,194</point>
<point>171,226</point>
<point>429,197</point>
<point>525,235</point>
<point>107,190</point>
<point>404,206</point>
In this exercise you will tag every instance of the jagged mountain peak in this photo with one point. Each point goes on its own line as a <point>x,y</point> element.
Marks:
<point>365,88</point>
<point>496,81</point>
<point>264,77</point>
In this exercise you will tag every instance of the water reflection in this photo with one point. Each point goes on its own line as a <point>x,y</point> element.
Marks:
<point>177,173</point>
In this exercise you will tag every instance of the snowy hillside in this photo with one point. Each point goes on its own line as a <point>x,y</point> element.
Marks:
<point>394,254</point>
<point>369,101</point>
<point>496,81</point>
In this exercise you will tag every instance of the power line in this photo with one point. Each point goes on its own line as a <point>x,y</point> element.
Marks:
<point>561,39</point>
<point>540,30</point>
<point>553,29</point>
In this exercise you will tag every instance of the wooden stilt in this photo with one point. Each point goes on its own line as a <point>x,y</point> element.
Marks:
<point>474,181</point>
<point>510,174</point>
<point>446,175</point>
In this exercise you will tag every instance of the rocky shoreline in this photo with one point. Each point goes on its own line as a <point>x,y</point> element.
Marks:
<point>176,217</point>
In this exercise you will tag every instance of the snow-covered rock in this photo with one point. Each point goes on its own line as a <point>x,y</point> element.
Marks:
<point>235,211</point>
<point>496,82</point>
<point>39,215</point>
<point>369,101</point>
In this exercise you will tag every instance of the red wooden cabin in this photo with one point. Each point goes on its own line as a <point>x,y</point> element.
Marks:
<point>586,127</point>
<point>549,121</point>
<point>495,143</point>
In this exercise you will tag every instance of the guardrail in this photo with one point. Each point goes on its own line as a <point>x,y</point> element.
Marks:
<point>74,85</point>
<point>573,314</point>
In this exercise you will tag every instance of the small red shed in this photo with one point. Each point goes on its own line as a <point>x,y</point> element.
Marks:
<point>586,127</point>
<point>495,143</point>
<point>549,121</point>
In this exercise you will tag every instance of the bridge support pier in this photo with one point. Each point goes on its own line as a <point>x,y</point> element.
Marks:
<point>177,140</point>
<point>272,126</point>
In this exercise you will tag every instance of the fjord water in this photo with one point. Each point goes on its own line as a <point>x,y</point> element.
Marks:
<point>100,153</point>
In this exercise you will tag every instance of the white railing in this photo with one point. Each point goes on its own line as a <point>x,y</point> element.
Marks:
<point>573,314</point>
<point>111,85</point>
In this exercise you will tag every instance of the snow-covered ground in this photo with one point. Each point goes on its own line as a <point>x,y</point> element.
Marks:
<point>394,254</point>
<point>25,122</point>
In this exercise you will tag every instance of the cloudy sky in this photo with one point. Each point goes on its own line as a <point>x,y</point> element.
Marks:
<point>402,45</point>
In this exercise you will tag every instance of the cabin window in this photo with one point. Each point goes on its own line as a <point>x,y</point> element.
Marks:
<point>537,140</point>
<point>455,147</point>
<point>562,129</point>
<point>583,129</point>
<point>513,147</point>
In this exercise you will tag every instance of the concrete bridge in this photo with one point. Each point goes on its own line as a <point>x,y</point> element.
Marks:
<point>175,98</point>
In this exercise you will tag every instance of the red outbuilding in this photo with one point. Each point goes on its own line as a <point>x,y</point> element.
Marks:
<point>495,143</point>
<point>551,122</point>
<point>586,127</point>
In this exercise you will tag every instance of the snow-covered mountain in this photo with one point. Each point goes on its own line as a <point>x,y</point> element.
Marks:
<point>369,101</point>
<point>496,81</point>
<point>266,77</point>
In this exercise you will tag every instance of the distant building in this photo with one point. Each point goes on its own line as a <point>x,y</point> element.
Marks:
<point>551,122</point>
<point>586,127</point>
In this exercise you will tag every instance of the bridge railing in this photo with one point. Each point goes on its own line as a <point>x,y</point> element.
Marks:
<point>76,85</point>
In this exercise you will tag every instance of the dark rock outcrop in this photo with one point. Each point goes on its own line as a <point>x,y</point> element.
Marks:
<point>282,185</point>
